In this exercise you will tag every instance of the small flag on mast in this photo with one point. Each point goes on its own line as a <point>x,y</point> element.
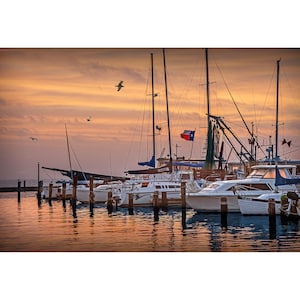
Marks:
<point>188,135</point>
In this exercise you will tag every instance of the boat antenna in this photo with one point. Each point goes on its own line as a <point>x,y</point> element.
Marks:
<point>71,170</point>
<point>167,104</point>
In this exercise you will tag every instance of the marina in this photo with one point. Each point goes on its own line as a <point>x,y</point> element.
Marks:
<point>111,217</point>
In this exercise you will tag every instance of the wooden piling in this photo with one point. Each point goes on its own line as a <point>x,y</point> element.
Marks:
<point>224,210</point>
<point>271,207</point>
<point>183,204</point>
<point>19,191</point>
<point>164,201</point>
<point>39,192</point>
<point>155,206</point>
<point>74,197</point>
<point>130,204</point>
<point>183,194</point>
<point>224,206</point>
<point>272,218</point>
<point>109,203</point>
<point>64,187</point>
<point>50,194</point>
<point>92,196</point>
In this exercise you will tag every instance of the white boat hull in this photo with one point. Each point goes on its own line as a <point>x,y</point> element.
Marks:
<point>101,195</point>
<point>212,203</point>
<point>146,199</point>
<point>257,207</point>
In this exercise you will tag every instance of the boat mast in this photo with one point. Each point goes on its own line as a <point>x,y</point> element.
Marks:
<point>167,103</point>
<point>71,170</point>
<point>207,87</point>
<point>276,126</point>
<point>209,160</point>
<point>153,116</point>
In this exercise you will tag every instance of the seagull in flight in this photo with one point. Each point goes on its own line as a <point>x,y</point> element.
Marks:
<point>89,118</point>
<point>33,138</point>
<point>119,86</point>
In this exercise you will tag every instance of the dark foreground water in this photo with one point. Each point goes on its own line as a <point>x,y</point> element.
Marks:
<point>43,254</point>
<point>25,226</point>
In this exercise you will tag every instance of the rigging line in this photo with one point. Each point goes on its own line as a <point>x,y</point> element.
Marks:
<point>78,162</point>
<point>268,92</point>
<point>251,134</point>
<point>70,162</point>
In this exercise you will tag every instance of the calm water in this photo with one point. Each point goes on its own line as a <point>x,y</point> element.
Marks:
<point>28,227</point>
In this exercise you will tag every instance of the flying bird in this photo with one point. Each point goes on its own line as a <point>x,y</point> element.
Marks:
<point>285,142</point>
<point>89,118</point>
<point>33,138</point>
<point>158,127</point>
<point>119,86</point>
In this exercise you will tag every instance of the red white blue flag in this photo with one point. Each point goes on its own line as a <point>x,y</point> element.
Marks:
<point>188,135</point>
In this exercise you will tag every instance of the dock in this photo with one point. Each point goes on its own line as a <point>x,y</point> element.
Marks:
<point>15,189</point>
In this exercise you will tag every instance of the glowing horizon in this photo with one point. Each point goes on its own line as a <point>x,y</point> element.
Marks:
<point>43,89</point>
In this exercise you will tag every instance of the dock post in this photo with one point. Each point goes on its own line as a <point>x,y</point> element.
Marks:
<point>64,186</point>
<point>74,197</point>
<point>92,196</point>
<point>39,192</point>
<point>271,207</point>
<point>19,191</point>
<point>130,204</point>
<point>183,204</point>
<point>117,201</point>
<point>272,218</point>
<point>224,210</point>
<point>50,194</point>
<point>155,206</point>
<point>109,204</point>
<point>164,201</point>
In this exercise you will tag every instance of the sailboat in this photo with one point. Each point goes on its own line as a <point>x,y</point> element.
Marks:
<point>156,179</point>
<point>286,200</point>
<point>83,180</point>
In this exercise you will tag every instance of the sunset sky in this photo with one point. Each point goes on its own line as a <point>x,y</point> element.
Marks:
<point>41,90</point>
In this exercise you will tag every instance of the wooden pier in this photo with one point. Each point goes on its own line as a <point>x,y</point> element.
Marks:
<point>16,189</point>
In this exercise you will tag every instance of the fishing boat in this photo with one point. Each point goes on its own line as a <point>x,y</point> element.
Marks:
<point>286,202</point>
<point>260,181</point>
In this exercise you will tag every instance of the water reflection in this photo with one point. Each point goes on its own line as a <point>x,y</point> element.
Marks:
<point>248,233</point>
<point>26,227</point>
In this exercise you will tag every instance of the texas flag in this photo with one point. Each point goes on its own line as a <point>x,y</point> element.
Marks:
<point>188,135</point>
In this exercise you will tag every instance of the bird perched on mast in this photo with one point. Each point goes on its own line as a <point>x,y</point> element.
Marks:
<point>119,86</point>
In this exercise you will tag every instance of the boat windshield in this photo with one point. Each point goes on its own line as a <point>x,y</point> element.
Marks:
<point>212,186</point>
<point>268,173</point>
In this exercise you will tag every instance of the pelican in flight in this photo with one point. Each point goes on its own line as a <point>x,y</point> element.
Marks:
<point>119,86</point>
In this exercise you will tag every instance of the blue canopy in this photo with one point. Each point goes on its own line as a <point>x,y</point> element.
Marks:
<point>279,180</point>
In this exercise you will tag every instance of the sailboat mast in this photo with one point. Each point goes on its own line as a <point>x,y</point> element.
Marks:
<point>167,104</point>
<point>153,115</point>
<point>209,159</point>
<point>71,170</point>
<point>276,130</point>
<point>207,86</point>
